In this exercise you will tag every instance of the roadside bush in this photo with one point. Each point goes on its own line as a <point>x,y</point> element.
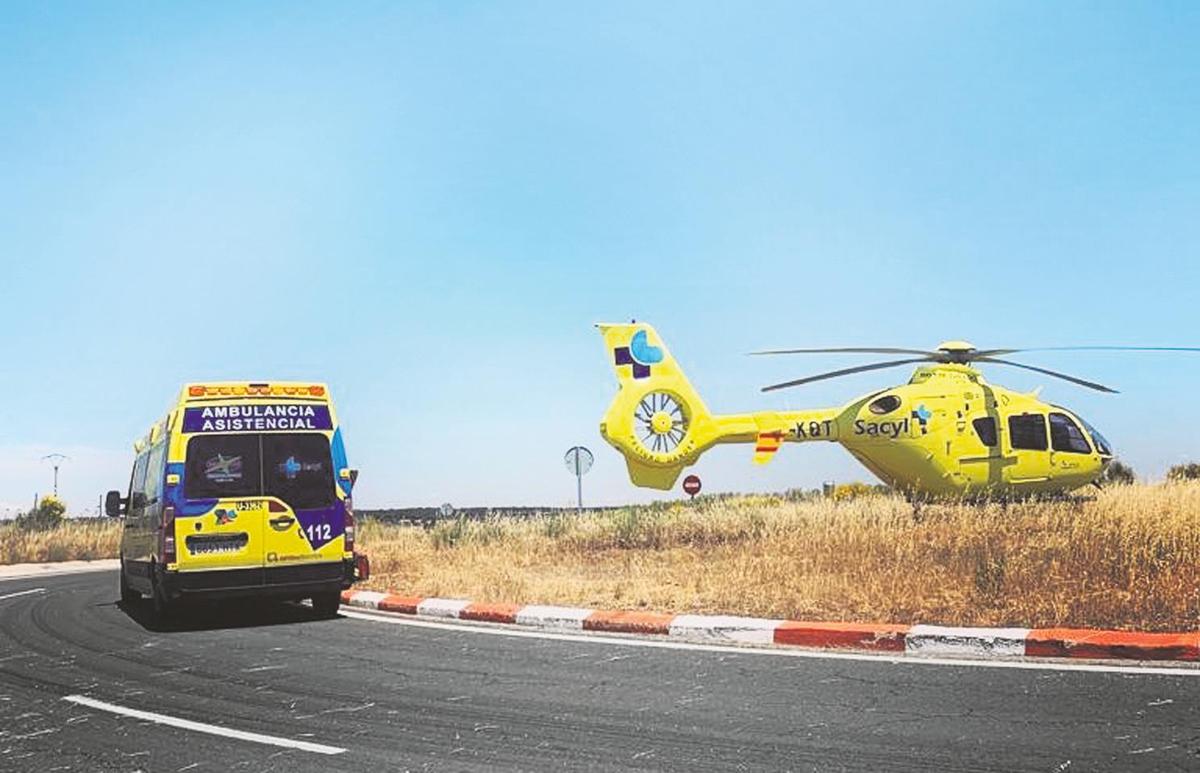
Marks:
<point>632,527</point>
<point>990,564</point>
<point>47,515</point>
<point>447,534</point>
<point>555,526</point>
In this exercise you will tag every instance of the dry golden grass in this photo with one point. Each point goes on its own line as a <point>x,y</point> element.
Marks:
<point>73,540</point>
<point>1130,558</point>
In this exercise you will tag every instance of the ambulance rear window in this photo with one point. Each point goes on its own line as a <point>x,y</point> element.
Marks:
<point>298,469</point>
<point>222,466</point>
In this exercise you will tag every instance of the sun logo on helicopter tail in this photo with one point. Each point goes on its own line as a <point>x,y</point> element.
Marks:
<point>639,354</point>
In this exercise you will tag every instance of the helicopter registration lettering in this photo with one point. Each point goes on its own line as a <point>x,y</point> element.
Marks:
<point>806,430</point>
<point>889,429</point>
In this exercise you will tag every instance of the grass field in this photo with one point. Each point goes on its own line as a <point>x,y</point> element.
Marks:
<point>1130,558</point>
<point>74,540</point>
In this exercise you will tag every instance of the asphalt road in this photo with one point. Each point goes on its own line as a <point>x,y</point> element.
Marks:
<point>401,697</point>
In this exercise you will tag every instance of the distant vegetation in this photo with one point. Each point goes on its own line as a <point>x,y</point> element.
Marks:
<point>844,492</point>
<point>1181,472</point>
<point>429,515</point>
<point>1118,474</point>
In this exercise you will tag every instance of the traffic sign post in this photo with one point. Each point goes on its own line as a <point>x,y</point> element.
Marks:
<point>691,485</point>
<point>579,461</point>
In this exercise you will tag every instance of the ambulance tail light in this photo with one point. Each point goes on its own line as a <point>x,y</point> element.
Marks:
<point>167,536</point>
<point>349,527</point>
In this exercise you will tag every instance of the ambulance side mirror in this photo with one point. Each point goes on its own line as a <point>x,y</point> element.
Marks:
<point>114,505</point>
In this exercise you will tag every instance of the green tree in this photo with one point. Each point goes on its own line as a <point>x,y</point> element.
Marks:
<point>1117,474</point>
<point>1182,472</point>
<point>47,515</point>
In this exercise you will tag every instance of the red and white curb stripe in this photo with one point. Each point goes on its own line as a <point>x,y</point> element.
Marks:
<point>931,640</point>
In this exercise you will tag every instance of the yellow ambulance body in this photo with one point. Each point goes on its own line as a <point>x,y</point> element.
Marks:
<point>243,489</point>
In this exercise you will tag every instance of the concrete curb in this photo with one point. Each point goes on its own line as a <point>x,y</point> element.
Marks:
<point>934,640</point>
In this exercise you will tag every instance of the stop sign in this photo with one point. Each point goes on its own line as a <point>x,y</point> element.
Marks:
<point>691,485</point>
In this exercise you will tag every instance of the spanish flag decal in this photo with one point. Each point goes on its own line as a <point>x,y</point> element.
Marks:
<point>768,443</point>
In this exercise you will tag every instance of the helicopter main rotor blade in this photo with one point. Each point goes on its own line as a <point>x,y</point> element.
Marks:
<point>848,350</point>
<point>1096,349</point>
<point>1055,374</point>
<point>845,372</point>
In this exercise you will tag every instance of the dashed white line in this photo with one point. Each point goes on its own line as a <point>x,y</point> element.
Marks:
<point>909,660</point>
<point>199,727</point>
<point>21,593</point>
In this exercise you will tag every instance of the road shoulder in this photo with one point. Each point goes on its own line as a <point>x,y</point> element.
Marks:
<point>49,569</point>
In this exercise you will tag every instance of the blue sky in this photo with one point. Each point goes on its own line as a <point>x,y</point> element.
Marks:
<point>427,205</point>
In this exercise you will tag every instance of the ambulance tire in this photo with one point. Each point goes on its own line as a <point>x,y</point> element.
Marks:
<point>161,606</point>
<point>326,604</point>
<point>128,594</point>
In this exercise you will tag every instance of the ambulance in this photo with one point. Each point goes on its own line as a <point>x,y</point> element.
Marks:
<point>243,489</point>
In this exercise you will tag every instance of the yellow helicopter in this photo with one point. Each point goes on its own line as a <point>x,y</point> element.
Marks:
<point>946,433</point>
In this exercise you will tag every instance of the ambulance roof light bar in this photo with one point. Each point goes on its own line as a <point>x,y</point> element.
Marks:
<point>255,389</point>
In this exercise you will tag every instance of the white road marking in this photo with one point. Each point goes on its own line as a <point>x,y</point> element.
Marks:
<point>21,593</point>
<point>599,638</point>
<point>187,724</point>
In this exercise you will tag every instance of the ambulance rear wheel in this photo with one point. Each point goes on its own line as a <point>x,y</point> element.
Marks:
<point>128,594</point>
<point>160,604</point>
<point>327,604</point>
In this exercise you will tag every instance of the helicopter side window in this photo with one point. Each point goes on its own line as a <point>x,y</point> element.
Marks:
<point>1028,432</point>
<point>985,427</point>
<point>1065,435</point>
<point>885,404</point>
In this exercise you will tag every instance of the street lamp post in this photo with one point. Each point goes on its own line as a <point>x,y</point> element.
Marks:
<point>56,460</point>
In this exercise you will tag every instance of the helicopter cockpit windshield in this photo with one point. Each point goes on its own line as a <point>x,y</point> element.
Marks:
<point>1102,445</point>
